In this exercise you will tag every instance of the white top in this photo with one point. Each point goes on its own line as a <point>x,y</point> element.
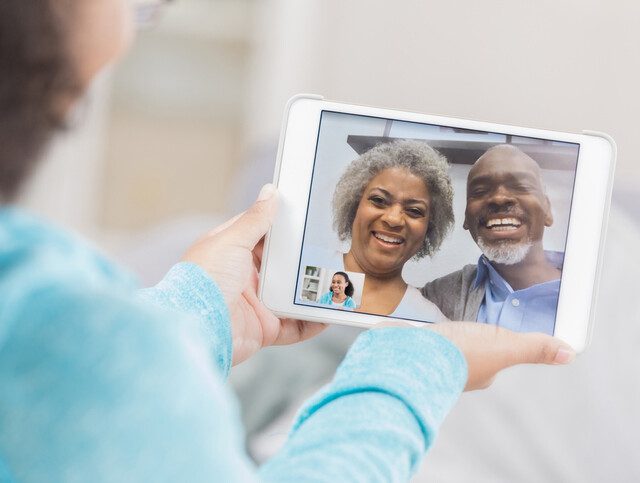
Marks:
<point>413,306</point>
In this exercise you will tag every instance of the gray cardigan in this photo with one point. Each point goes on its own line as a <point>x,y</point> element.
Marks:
<point>455,294</point>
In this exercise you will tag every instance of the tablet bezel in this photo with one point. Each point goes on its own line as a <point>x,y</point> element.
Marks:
<point>293,173</point>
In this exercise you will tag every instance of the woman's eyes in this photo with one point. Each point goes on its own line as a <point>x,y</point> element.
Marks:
<point>378,200</point>
<point>381,202</point>
<point>415,212</point>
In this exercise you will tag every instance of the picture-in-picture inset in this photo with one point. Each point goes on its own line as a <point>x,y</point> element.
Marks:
<point>334,288</point>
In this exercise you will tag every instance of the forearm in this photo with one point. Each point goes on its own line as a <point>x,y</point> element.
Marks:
<point>188,289</point>
<point>380,414</point>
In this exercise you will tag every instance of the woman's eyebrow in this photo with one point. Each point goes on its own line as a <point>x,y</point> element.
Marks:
<point>406,202</point>
<point>412,201</point>
<point>383,191</point>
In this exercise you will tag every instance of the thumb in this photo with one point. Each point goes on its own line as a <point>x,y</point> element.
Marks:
<point>535,348</point>
<point>254,223</point>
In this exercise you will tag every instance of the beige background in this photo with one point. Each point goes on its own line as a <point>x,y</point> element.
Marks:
<point>202,94</point>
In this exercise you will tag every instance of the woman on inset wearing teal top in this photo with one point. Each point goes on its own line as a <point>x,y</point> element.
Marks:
<point>341,292</point>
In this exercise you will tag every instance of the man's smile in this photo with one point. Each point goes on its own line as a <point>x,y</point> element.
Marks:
<point>499,227</point>
<point>503,224</point>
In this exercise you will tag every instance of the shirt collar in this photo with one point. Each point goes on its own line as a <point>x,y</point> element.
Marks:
<point>486,270</point>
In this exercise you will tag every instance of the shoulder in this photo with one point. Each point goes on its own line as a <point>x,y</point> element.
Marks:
<point>31,248</point>
<point>97,362</point>
<point>414,306</point>
<point>457,277</point>
<point>452,282</point>
<point>95,320</point>
<point>47,275</point>
<point>62,298</point>
<point>350,303</point>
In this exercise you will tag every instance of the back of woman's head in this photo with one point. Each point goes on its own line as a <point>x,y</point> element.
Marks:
<point>37,83</point>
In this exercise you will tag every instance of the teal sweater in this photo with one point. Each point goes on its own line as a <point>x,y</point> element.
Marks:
<point>101,382</point>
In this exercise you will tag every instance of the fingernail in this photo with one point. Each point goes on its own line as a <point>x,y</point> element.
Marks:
<point>266,192</point>
<point>564,356</point>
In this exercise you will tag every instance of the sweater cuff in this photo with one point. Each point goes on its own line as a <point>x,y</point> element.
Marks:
<point>189,289</point>
<point>417,366</point>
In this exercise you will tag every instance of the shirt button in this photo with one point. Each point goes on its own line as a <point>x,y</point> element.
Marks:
<point>515,302</point>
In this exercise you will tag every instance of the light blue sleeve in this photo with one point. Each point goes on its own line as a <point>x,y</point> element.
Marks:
<point>380,414</point>
<point>326,299</point>
<point>100,386</point>
<point>97,385</point>
<point>187,288</point>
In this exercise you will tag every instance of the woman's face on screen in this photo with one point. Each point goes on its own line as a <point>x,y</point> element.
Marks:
<point>338,284</point>
<point>391,222</point>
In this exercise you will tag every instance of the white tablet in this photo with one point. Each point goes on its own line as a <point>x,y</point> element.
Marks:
<point>391,215</point>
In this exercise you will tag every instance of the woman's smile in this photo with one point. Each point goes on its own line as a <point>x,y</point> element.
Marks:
<point>391,222</point>
<point>387,239</point>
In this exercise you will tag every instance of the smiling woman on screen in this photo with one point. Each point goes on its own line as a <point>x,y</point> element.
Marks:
<point>395,203</point>
<point>341,293</point>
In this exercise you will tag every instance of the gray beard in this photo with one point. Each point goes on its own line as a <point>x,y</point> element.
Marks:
<point>506,253</point>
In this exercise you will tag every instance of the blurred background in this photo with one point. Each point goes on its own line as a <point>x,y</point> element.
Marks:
<point>184,132</point>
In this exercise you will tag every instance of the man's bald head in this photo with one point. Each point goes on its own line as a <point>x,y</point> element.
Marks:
<point>506,156</point>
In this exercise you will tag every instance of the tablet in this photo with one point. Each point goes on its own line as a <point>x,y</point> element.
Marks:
<point>392,215</point>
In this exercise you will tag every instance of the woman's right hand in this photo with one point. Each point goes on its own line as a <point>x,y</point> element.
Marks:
<point>488,349</point>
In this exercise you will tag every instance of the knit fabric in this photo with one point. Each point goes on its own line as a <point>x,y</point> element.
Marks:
<point>101,382</point>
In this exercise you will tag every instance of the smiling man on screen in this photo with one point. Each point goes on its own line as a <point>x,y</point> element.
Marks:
<point>515,283</point>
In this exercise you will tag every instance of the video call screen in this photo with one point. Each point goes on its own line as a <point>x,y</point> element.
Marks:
<point>426,222</point>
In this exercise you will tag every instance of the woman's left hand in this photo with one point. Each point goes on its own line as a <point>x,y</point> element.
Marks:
<point>488,349</point>
<point>231,255</point>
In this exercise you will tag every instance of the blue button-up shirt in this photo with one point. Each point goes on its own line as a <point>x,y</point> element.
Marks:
<point>532,309</point>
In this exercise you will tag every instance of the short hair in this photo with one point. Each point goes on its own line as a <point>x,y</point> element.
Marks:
<point>38,79</point>
<point>421,160</point>
<point>349,290</point>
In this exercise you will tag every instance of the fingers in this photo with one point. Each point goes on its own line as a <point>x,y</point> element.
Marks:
<point>292,331</point>
<point>505,347</point>
<point>269,323</point>
<point>225,225</point>
<point>252,225</point>
<point>489,349</point>
<point>537,348</point>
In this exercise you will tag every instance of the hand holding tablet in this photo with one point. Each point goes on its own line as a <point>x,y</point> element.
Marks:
<point>433,218</point>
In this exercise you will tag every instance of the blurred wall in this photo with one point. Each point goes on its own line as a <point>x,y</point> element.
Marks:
<point>175,124</point>
<point>159,136</point>
<point>568,65</point>
<point>189,121</point>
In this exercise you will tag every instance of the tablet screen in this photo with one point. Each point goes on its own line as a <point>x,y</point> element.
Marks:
<point>427,222</point>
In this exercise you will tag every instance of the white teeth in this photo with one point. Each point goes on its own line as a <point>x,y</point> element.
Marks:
<point>503,222</point>
<point>388,239</point>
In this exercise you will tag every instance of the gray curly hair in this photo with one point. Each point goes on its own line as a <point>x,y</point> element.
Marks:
<point>417,157</point>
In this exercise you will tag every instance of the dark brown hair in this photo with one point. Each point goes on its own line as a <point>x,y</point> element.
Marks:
<point>349,290</point>
<point>37,82</point>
